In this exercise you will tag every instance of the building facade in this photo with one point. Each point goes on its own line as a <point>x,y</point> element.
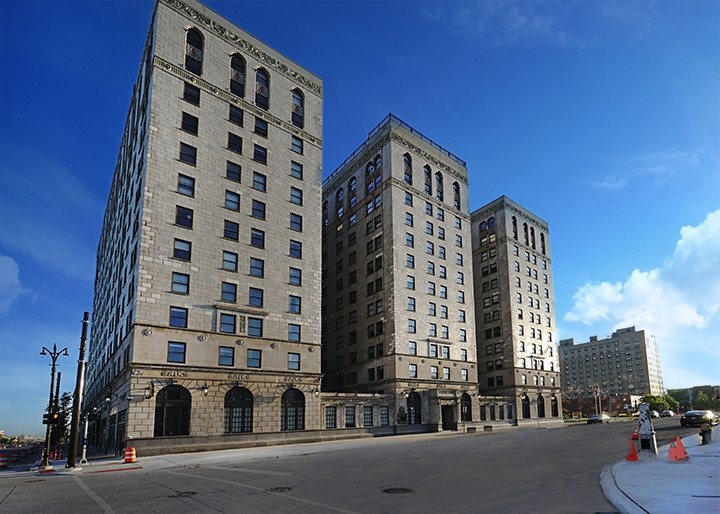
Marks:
<point>515,312</point>
<point>626,363</point>
<point>397,279</point>
<point>206,315</point>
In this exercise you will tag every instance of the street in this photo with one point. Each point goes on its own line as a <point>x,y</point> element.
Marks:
<point>532,470</point>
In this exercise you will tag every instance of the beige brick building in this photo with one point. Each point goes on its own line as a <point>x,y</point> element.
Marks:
<point>515,313</point>
<point>398,314</point>
<point>206,316</point>
<point>625,363</point>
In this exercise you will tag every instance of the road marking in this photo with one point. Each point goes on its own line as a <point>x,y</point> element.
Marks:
<point>104,506</point>
<point>262,490</point>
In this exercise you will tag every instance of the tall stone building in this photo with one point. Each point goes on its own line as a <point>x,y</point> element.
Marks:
<point>206,316</point>
<point>397,279</point>
<point>625,364</point>
<point>515,312</point>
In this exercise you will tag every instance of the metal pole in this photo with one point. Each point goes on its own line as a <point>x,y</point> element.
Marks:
<point>77,399</point>
<point>54,354</point>
<point>83,457</point>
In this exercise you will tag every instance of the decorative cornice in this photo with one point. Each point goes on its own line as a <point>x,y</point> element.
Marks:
<point>341,175</point>
<point>244,45</point>
<point>230,98</point>
<point>425,155</point>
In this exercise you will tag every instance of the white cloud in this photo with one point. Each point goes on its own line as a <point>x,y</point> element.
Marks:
<point>678,302</point>
<point>10,286</point>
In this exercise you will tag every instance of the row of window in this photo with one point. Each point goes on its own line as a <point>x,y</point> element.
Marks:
<point>434,373</point>
<point>177,352</point>
<point>332,411</point>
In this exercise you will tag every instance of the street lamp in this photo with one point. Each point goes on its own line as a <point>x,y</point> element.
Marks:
<point>54,354</point>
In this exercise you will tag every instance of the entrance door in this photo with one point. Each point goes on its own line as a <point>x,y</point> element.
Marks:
<point>448,417</point>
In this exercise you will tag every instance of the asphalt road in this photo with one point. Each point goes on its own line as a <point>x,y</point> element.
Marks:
<point>532,470</point>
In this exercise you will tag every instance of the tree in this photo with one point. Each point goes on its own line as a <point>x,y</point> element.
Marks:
<point>673,403</point>
<point>657,403</point>
<point>701,401</point>
<point>59,432</point>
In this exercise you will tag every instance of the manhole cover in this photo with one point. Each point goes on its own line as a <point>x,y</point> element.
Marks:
<point>183,494</point>
<point>278,489</point>
<point>397,490</point>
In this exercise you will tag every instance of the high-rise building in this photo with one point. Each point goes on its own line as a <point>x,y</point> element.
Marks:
<point>397,278</point>
<point>206,315</point>
<point>626,363</point>
<point>515,311</point>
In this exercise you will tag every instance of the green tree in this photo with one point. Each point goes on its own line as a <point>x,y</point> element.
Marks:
<point>673,403</point>
<point>701,401</point>
<point>657,403</point>
<point>59,432</point>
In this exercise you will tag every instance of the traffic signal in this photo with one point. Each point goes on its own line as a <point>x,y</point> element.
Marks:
<point>46,419</point>
<point>54,418</point>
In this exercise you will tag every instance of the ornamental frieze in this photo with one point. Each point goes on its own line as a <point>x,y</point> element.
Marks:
<point>422,153</point>
<point>244,45</point>
<point>166,66</point>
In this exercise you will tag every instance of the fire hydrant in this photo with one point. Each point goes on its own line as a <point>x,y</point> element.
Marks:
<point>705,434</point>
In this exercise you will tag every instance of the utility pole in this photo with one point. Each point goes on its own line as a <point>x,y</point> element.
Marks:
<point>78,397</point>
<point>54,354</point>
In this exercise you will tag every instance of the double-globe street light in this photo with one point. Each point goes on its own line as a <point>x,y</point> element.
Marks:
<point>54,354</point>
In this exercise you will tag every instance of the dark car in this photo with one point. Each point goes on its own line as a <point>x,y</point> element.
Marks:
<point>698,417</point>
<point>598,418</point>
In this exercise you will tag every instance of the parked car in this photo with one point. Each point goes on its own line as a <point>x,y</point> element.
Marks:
<point>598,418</point>
<point>698,417</point>
<point>654,414</point>
<point>667,414</point>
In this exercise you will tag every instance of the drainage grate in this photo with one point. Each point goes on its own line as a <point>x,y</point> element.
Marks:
<point>183,494</point>
<point>278,489</point>
<point>397,490</point>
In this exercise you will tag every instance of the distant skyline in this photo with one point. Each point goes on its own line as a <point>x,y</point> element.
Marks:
<point>603,118</point>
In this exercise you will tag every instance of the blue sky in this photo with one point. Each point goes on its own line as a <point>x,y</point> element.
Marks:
<point>601,117</point>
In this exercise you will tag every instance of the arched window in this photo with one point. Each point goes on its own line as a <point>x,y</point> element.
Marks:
<point>428,179</point>
<point>352,192</point>
<point>172,411</point>
<point>514,227</point>
<point>262,89</point>
<point>414,408</point>
<point>439,194</point>
<point>194,51</point>
<point>237,75</point>
<point>298,108</point>
<point>465,407</point>
<point>326,220</point>
<point>525,232</point>
<point>542,243</point>
<point>456,196</point>
<point>378,162</point>
<point>340,202</point>
<point>532,237</point>
<point>525,407</point>
<point>541,406</point>
<point>554,407</point>
<point>369,177</point>
<point>407,161</point>
<point>491,224</point>
<point>292,414</point>
<point>238,410</point>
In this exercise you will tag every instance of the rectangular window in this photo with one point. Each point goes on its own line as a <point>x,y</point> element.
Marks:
<point>349,416</point>
<point>330,416</point>
<point>259,181</point>
<point>296,145</point>
<point>296,170</point>
<point>296,249</point>
<point>180,283</point>
<point>184,217</point>
<point>232,201</point>
<point>255,297</point>
<point>261,127</point>
<point>254,358</point>
<point>260,154</point>
<point>258,209</point>
<point>231,230</point>
<point>293,332</point>
<point>190,123</point>
<point>412,326</point>
<point>412,370</point>
<point>182,249</point>
<point>255,327</point>
<point>412,348</point>
<point>234,143</point>
<point>232,171</point>
<point>188,154</point>
<point>257,238</point>
<point>236,115</point>
<point>228,292</point>
<point>230,261</point>
<point>446,373</point>
<point>296,196</point>
<point>293,362</point>
<point>434,372</point>
<point>294,304</point>
<point>409,219</point>
<point>191,94</point>
<point>295,222</point>
<point>295,277</point>
<point>384,416</point>
<point>186,185</point>
<point>226,356</point>
<point>367,415</point>
<point>178,317</point>
<point>409,240</point>
<point>257,267</point>
<point>176,352</point>
<point>227,323</point>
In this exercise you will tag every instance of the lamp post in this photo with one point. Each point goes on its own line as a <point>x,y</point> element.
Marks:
<point>54,354</point>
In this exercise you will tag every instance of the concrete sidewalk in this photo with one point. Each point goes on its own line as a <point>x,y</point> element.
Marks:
<point>656,485</point>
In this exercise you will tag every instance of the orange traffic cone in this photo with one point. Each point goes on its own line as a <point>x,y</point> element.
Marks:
<point>677,451</point>
<point>632,454</point>
<point>129,455</point>
<point>635,435</point>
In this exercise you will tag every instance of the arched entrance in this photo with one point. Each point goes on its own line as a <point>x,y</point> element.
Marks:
<point>541,406</point>
<point>465,407</point>
<point>554,406</point>
<point>292,413</point>
<point>238,410</point>
<point>414,407</point>
<point>525,407</point>
<point>172,411</point>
